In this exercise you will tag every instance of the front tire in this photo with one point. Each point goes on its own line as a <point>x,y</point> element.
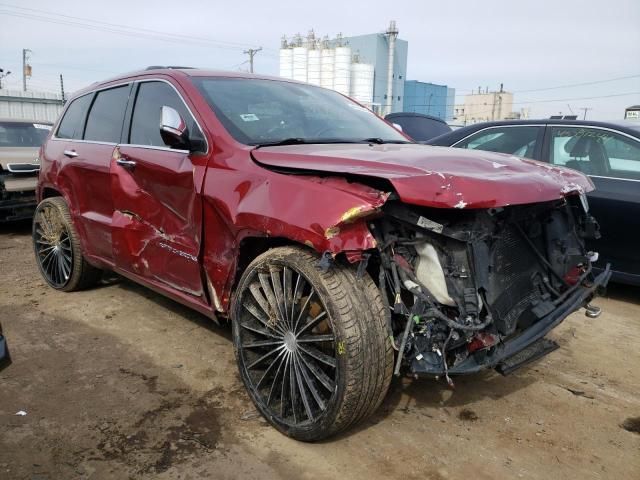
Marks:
<point>57,248</point>
<point>311,345</point>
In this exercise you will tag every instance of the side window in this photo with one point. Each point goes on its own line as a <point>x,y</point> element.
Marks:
<point>596,152</point>
<point>624,156</point>
<point>520,141</point>
<point>145,123</point>
<point>73,120</point>
<point>106,115</point>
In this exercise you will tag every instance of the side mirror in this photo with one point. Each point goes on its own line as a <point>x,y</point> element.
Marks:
<point>397,126</point>
<point>173,129</point>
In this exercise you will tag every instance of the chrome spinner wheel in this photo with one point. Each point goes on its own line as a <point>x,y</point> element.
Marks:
<point>286,345</point>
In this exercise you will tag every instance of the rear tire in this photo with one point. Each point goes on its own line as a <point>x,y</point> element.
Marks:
<point>57,248</point>
<point>311,345</point>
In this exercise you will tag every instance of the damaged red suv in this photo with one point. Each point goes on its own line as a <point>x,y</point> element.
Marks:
<point>340,251</point>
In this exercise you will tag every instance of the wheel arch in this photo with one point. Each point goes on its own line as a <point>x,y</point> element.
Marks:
<point>48,192</point>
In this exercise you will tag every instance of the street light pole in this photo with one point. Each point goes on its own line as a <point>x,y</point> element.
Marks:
<point>2,75</point>
<point>26,68</point>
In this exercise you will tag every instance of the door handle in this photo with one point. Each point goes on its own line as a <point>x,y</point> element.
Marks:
<point>128,164</point>
<point>70,153</point>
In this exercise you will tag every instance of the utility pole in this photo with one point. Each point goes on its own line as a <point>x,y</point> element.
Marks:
<point>62,89</point>
<point>585,109</point>
<point>252,53</point>
<point>26,68</point>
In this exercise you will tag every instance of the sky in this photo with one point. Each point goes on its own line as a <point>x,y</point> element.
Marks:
<point>539,49</point>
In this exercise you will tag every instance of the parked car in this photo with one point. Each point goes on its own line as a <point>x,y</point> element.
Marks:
<point>5,358</point>
<point>19,165</point>
<point>327,238</point>
<point>608,152</point>
<point>418,126</point>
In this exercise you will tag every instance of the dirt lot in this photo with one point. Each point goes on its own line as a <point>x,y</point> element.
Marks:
<point>119,382</point>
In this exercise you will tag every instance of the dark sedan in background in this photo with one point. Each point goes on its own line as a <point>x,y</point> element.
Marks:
<point>5,359</point>
<point>608,152</point>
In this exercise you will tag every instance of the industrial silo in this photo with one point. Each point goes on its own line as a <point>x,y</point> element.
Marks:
<point>313,70</point>
<point>342,70</point>
<point>327,56</point>
<point>362,83</point>
<point>300,63</point>
<point>286,60</point>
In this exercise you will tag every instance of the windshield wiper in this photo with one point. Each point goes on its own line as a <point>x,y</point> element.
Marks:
<point>286,141</point>
<point>381,141</point>
<point>311,141</point>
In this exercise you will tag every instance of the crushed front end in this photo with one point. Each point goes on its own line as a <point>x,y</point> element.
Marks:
<point>470,289</point>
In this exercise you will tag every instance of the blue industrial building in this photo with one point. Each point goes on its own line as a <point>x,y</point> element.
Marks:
<point>429,99</point>
<point>374,49</point>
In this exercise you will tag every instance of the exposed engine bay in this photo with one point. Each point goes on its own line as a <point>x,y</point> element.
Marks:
<point>461,284</point>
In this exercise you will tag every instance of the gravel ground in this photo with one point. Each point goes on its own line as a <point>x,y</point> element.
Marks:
<point>119,382</point>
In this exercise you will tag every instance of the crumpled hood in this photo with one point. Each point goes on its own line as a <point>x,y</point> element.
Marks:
<point>436,176</point>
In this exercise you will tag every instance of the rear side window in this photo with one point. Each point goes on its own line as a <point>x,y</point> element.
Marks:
<point>596,151</point>
<point>145,123</point>
<point>520,141</point>
<point>107,115</point>
<point>73,120</point>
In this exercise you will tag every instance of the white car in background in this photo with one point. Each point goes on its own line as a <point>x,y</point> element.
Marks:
<point>20,141</point>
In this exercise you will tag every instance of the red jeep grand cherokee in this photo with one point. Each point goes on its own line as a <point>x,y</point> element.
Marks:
<point>340,251</point>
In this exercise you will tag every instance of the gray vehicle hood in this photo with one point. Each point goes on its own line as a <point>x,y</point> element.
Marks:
<point>26,155</point>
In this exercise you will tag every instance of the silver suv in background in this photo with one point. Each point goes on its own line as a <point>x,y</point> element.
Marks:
<point>20,141</point>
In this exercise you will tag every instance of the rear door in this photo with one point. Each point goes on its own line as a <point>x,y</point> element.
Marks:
<point>86,144</point>
<point>157,217</point>
<point>612,160</point>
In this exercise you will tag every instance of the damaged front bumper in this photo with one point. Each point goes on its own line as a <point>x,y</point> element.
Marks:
<point>17,197</point>
<point>495,356</point>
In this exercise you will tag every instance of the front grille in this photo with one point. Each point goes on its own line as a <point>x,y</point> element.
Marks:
<point>511,279</point>
<point>23,167</point>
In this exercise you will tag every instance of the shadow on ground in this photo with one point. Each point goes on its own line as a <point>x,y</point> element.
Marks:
<point>97,407</point>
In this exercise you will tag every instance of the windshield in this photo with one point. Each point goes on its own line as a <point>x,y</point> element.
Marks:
<point>262,112</point>
<point>18,134</point>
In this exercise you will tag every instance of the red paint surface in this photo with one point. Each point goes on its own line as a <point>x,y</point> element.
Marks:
<point>177,221</point>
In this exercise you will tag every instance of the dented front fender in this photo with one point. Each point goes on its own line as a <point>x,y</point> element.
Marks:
<point>327,214</point>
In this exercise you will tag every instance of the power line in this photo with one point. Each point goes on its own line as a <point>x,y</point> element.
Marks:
<point>583,84</point>
<point>128,27</point>
<point>556,87</point>
<point>527,102</point>
<point>120,29</point>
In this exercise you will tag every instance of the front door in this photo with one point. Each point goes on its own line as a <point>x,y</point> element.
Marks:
<point>157,219</point>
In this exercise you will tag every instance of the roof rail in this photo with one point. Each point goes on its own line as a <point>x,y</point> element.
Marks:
<point>172,67</point>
